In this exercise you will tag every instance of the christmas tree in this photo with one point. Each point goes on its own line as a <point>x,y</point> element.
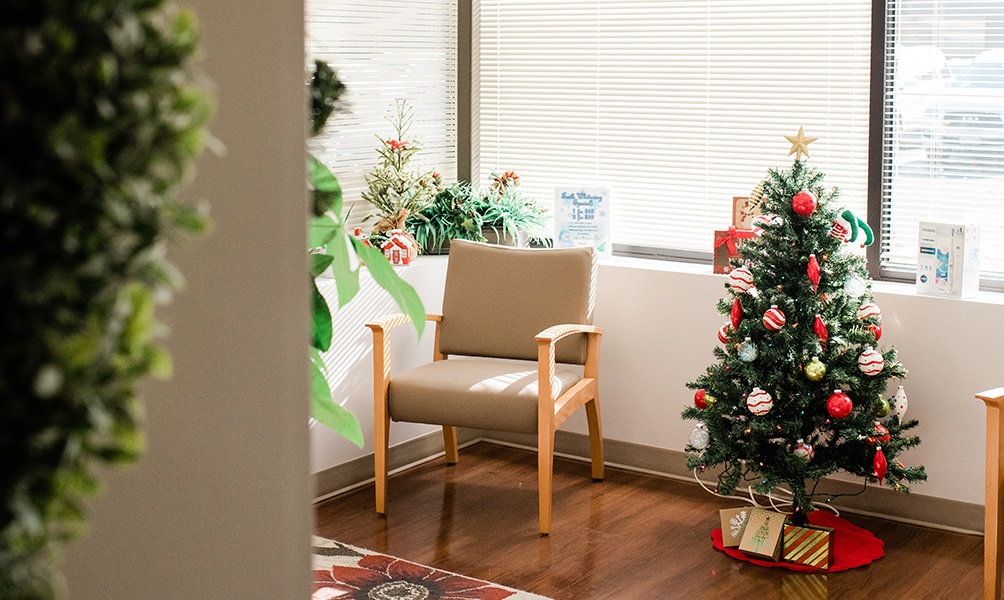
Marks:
<point>798,389</point>
<point>394,189</point>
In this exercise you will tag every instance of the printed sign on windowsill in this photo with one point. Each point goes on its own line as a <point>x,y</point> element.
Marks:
<point>582,217</point>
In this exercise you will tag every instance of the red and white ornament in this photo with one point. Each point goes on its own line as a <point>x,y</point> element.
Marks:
<point>759,402</point>
<point>803,450</point>
<point>804,203</point>
<point>723,333</point>
<point>900,403</point>
<point>737,313</point>
<point>741,279</point>
<point>876,329</point>
<point>839,404</point>
<point>773,319</point>
<point>870,361</point>
<point>870,311</point>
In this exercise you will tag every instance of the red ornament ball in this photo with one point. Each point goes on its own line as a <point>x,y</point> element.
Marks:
<point>839,405</point>
<point>881,435</point>
<point>876,329</point>
<point>773,319</point>
<point>699,401</point>
<point>804,203</point>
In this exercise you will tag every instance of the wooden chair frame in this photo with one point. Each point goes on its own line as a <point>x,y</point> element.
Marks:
<point>552,409</point>
<point>993,511</point>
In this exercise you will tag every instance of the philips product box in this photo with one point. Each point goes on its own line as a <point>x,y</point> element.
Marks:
<point>948,262</point>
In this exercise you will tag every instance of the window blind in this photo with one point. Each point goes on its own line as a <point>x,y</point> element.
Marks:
<point>384,50</point>
<point>943,157</point>
<point>677,106</point>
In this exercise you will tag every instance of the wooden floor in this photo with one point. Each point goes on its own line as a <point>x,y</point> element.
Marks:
<point>630,536</point>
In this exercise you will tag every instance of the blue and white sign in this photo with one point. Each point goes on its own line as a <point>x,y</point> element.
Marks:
<point>582,217</point>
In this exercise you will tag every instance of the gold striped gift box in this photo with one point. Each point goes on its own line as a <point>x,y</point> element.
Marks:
<point>812,546</point>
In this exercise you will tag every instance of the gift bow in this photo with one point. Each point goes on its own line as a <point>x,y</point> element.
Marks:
<point>730,239</point>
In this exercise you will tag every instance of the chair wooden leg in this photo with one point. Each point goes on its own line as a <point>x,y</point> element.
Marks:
<point>595,437</point>
<point>381,434</point>
<point>993,535</point>
<point>450,444</point>
<point>545,466</point>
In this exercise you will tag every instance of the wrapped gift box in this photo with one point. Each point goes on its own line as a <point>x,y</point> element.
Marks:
<point>744,210</point>
<point>762,538</point>
<point>734,525</point>
<point>728,245</point>
<point>810,545</point>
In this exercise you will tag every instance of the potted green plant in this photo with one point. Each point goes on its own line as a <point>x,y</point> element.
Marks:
<point>103,113</point>
<point>455,214</point>
<point>509,216</point>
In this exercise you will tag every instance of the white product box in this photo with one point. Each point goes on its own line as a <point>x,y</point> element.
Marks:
<point>948,262</point>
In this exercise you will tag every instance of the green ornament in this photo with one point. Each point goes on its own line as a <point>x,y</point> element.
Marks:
<point>884,408</point>
<point>815,369</point>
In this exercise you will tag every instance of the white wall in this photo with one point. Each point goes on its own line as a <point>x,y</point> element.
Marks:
<point>661,326</point>
<point>219,507</point>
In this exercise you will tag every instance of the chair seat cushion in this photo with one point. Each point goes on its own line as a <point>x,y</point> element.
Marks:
<point>494,394</point>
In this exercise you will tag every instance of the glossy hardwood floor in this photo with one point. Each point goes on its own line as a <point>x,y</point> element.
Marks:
<point>630,536</point>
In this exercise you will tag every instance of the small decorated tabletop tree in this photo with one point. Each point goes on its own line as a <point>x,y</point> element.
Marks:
<point>798,389</point>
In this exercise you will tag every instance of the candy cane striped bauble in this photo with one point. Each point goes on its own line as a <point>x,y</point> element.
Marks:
<point>870,362</point>
<point>723,333</point>
<point>773,319</point>
<point>759,402</point>
<point>803,450</point>
<point>870,311</point>
<point>741,279</point>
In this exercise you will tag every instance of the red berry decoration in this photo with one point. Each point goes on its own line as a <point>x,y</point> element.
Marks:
<point>773,319</point>
<point>699,401</point>
<point>876,329</point>
<point>804,203</point>
<point>839,405</point>
<point>737,313</point>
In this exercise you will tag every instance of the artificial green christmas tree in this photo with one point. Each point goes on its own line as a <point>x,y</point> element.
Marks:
<point>798,391</point>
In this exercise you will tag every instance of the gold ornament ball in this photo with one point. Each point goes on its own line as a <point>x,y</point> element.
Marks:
<point>815,370</point>
<point>710,400</point>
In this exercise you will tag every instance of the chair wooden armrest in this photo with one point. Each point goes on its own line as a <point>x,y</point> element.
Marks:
<point>993,532</point>
<point>391,321</point>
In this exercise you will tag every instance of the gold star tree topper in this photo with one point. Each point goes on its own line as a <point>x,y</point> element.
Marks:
<point>799,143</point>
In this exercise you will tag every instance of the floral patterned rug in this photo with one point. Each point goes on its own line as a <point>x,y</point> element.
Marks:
<point>345,572</point>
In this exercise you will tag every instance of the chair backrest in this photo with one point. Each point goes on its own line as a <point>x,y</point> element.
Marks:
<point>498,298</point>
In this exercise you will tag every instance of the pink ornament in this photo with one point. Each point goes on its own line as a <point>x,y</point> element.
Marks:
<point>870,362</point>
<point>839,405</point>
<point>741,279</point>
<point>870,311</point>
<point>723,334</point>
<point>804,203</point>
<point>773,319</point>
<point>759,402</point>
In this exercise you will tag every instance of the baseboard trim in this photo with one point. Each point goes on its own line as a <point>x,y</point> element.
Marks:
<point>917,509</point>
<point>358,472</point>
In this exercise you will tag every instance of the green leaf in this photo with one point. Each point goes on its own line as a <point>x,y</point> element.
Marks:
<point>319,262</point>
<point>327,191</point>
<point>324,409</point>
<point>321,230</point>
<point>346,280</point>
<point>384,274</point>
<point>321,320</point>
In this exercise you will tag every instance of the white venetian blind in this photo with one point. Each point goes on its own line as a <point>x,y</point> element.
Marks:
<point>943,156</point>
<point>676,105</point>
<point>384,50</point>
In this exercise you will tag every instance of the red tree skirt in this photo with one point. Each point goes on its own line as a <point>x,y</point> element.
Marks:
<point>852,547</point>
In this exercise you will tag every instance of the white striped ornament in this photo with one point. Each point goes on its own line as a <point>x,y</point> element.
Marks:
<point>870,311</point>
<point>723,333</point>
<point>870,362</point>
<point>741,279</point>
<point>773,319</point>
<point>759,402</point>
